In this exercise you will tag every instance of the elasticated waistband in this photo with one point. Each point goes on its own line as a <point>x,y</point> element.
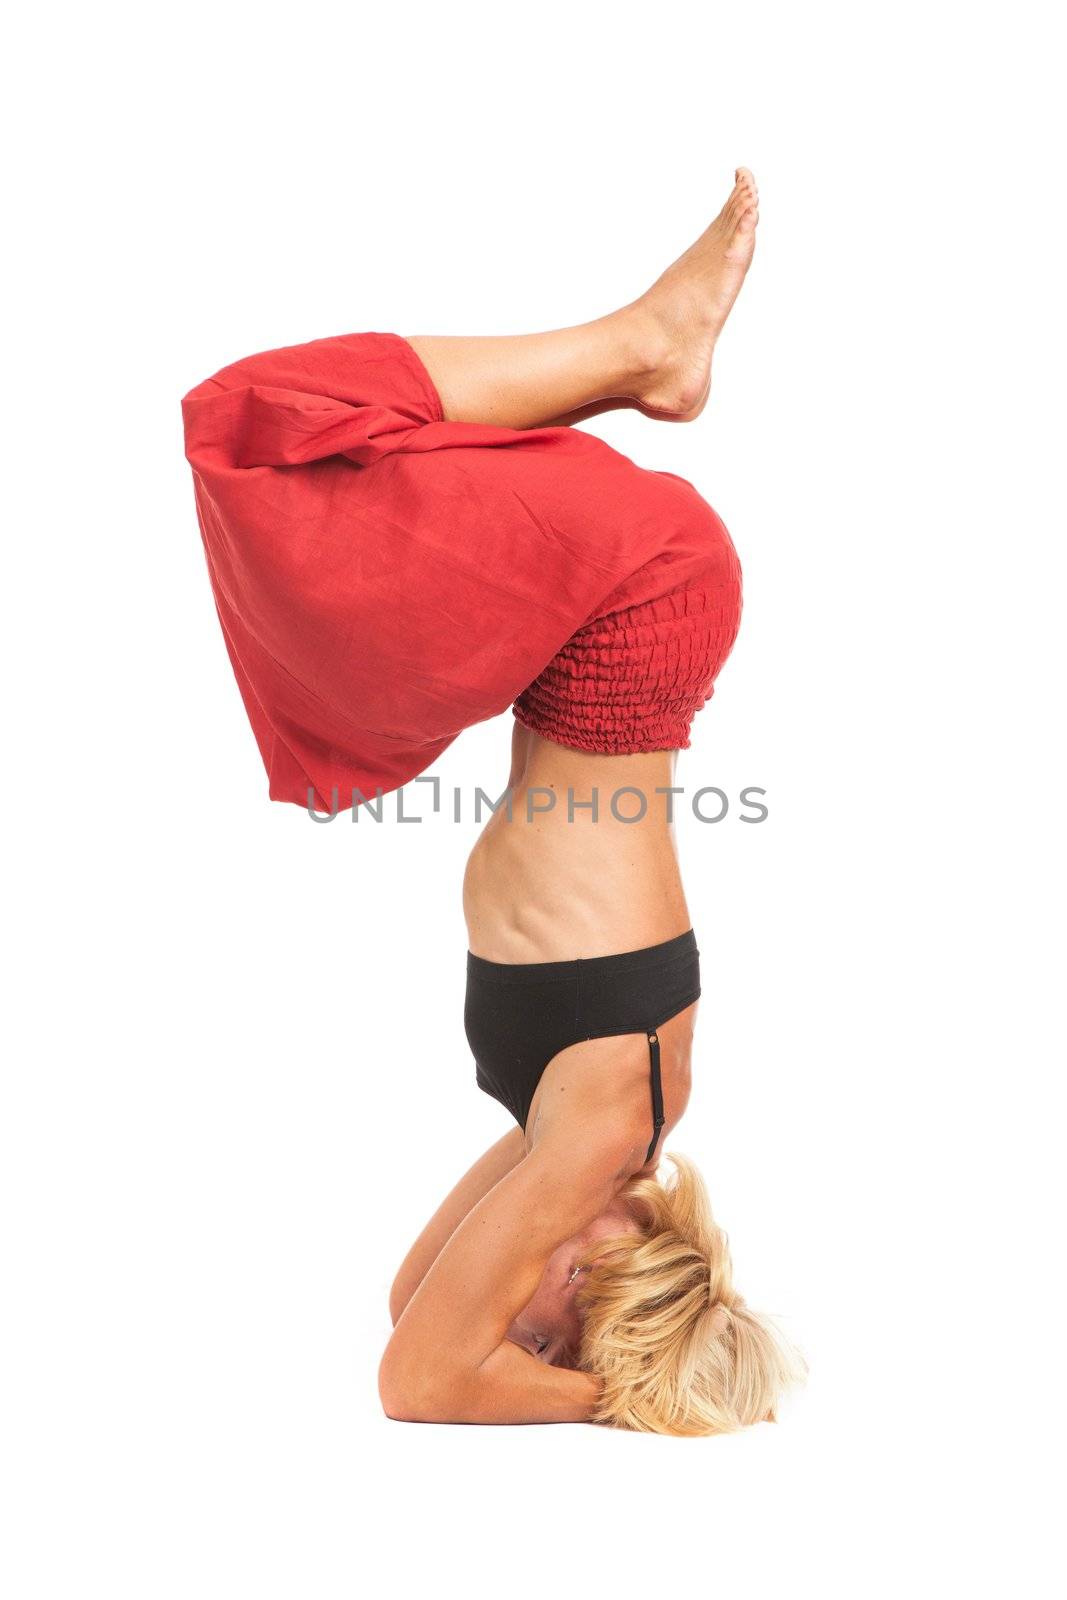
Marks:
<point>654,955</point>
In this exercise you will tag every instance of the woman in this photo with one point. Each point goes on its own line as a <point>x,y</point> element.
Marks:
<point>404,537</point>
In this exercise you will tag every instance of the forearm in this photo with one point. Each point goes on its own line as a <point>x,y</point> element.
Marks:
<point>513,1386</point>
<point>510,1387</point>
<point>449,1358</point>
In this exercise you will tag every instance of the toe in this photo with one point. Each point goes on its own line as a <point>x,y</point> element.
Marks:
<point>737,202</point>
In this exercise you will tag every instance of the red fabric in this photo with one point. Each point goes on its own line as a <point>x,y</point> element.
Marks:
<point>385,578</point>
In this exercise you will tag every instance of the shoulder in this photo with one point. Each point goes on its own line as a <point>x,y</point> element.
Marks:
<point>580,1161</point>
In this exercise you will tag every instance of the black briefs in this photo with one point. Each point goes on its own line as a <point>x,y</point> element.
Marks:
<point>517,1017</point>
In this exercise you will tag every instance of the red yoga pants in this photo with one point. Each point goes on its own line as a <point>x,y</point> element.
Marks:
<point>386,578</point>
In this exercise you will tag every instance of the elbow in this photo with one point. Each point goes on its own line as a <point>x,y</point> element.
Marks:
<point>407,1391</point>
<point>403,1402</point>
<point>397,1404</point>
<point>394,1393</point>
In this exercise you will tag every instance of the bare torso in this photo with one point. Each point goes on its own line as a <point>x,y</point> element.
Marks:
<point>551,884</point>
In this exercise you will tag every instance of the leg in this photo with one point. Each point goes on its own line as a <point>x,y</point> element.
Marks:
<point>532,379</point>
<point>654,354</point>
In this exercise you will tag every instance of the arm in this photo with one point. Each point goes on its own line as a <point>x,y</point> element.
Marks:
<point>494,1165</point>
<point>449,1359</point>
<point>511,1386</point>
<point>486,1172</point>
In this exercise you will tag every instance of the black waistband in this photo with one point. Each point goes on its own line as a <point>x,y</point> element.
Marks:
<point>653,955</point>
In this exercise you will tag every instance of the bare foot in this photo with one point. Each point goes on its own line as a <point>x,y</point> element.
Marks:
<point>684,311</point>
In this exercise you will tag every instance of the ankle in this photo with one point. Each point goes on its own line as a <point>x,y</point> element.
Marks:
<point>644,347</point>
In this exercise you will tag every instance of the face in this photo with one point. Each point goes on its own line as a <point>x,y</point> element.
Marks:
<point>549,1326</point>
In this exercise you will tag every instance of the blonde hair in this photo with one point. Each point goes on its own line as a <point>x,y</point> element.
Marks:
<point>676,1348</point>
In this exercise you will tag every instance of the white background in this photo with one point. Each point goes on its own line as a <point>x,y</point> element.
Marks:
<point>240,1082</point>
